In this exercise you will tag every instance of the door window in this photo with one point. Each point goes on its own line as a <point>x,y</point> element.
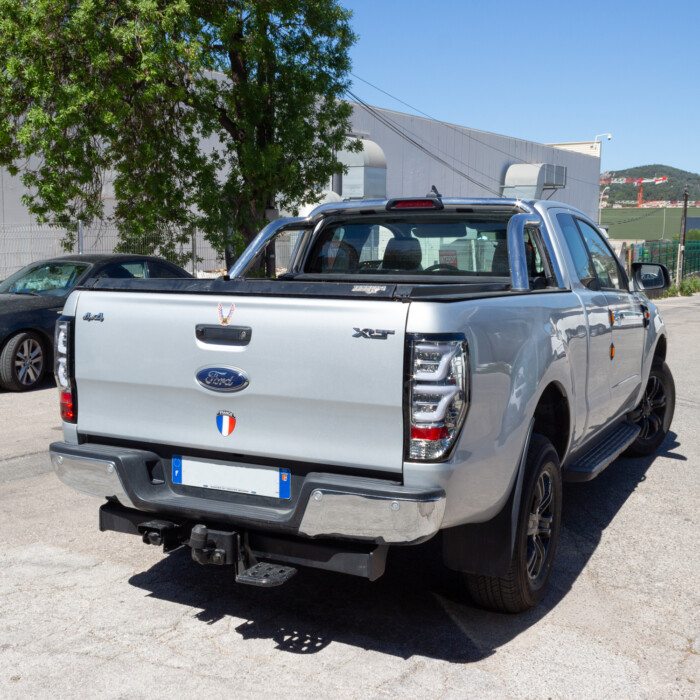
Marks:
<point>126,270</point>
<point>606,266</point>
<point>582,260</point>
<point>160,271</point>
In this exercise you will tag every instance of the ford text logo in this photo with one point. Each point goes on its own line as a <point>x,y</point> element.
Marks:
<point>223,379</point>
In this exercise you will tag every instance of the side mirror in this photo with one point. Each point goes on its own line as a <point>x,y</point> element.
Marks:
<point>650,276</point>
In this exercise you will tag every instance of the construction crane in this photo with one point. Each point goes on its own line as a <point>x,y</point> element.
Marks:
<point>639,182</point>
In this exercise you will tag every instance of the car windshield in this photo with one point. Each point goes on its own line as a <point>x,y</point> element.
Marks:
<point>48,278</point>
<point>455,247</point>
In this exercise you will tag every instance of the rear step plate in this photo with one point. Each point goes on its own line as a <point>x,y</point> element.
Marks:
<point>590,464</point>
<point>266,575</point>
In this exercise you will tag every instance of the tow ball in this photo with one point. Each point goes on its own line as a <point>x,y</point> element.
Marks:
<point>214,546</point>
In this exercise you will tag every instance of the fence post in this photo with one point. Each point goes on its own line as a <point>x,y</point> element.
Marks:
<point>194,251</point>
<point>80,236</point>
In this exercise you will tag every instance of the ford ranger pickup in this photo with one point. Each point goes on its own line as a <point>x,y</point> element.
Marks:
<point>375,375</point>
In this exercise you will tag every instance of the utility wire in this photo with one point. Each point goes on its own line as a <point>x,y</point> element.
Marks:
<point>461,132</point>
<point>397,130</point>
<point>439,150</point>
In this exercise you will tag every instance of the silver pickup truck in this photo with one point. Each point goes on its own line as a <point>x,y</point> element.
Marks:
<point>377,374</point>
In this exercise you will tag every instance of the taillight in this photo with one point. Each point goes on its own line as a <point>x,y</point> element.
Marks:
<point>438,394</point>
<point>63,371</point>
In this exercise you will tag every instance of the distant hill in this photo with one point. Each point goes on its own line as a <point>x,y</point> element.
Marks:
<point>671,190</point>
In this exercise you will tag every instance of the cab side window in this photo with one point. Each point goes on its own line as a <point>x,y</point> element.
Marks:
<point>582,260</point>
<point>604,261</point>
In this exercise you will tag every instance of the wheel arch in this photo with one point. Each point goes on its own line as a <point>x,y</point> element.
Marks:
<point>553,417</point>
<point>46,341</point>
<point>660,348</point>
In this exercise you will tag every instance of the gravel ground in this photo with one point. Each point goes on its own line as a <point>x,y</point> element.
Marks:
<point>86,614</point>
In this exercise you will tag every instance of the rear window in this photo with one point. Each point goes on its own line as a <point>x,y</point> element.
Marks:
<point>464,247</point>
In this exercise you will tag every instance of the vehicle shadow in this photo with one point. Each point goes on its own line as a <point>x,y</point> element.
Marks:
<point>48,382</point>
<point>415,609</point>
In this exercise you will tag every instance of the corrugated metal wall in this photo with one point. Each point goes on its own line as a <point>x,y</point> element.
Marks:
<point>481,156</point>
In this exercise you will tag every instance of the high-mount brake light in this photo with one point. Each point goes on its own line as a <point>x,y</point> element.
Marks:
<point>428,203</point>
<point>62,370</point>
<point>438,394</point>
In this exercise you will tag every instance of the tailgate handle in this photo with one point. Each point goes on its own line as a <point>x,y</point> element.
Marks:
<point>229,335</point>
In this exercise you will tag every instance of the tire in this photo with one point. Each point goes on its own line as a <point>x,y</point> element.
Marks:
<point>22,362</point>
<point>535,542</point>
<point>654,412</point>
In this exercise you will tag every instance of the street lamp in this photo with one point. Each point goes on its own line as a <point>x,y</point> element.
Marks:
<point>600,202</point>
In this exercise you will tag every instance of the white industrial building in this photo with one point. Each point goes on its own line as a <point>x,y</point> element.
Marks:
<point>403,155</point>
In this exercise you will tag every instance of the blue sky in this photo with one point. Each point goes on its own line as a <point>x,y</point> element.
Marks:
<point>542,71</point>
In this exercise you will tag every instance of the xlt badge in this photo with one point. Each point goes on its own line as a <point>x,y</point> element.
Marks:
<point>371,333</point>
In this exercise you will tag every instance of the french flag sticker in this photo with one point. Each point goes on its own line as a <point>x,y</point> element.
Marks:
<point>225,422</point>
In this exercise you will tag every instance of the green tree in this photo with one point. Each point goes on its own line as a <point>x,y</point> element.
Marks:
<point>204,112</point>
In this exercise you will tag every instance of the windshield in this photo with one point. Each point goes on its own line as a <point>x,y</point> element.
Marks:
<point>452,247</point>
<point>50,279</point>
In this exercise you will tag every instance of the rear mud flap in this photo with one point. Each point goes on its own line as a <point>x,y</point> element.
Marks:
<point>486,548</point>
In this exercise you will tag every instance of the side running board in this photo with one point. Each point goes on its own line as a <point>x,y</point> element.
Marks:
<point>590,464</point>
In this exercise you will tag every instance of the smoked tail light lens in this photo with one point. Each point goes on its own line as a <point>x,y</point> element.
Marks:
<point>438,395</point>
<point>63,370</point>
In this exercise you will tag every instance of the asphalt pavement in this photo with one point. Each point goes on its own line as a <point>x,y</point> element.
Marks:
<point>85,614</point>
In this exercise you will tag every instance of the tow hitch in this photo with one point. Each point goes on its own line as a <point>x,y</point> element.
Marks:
<point>217,547</point>
<point>162,532</point>
<point>244,550</point>
<point>221,548</point>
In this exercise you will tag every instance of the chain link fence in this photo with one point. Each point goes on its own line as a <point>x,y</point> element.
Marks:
<point>666,252</point>
<point>22,244</point>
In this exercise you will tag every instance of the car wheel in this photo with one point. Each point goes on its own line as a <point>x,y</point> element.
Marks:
<point>22,362</point>
<point>654,412</point>
<point>536,537</point>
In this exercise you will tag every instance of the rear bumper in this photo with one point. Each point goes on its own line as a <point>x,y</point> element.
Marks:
<point>321,505</point>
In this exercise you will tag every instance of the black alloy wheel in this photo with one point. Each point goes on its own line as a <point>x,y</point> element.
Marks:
<point>654,412</point>
<point>539,526</point>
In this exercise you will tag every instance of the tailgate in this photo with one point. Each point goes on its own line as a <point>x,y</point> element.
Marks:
<point>315,392</point>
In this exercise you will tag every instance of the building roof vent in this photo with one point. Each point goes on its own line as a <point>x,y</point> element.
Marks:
<point>366,176</point>
<point>529,180</point>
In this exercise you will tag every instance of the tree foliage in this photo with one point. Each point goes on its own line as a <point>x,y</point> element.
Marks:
<point>203,113</point>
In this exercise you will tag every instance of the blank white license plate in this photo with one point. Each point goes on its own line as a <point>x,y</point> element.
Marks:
<point>210,474</point>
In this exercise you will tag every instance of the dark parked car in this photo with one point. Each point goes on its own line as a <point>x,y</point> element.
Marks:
<point>32,299</point>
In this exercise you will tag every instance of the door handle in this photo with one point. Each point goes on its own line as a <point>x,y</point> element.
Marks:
<point>227,335</point>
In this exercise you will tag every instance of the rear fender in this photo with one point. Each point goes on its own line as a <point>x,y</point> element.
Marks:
<point>487,548</point>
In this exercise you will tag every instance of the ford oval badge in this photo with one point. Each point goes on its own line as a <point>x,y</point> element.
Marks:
<point>223,379</point>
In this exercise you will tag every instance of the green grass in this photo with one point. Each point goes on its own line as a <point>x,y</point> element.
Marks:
<point>644,224</point>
